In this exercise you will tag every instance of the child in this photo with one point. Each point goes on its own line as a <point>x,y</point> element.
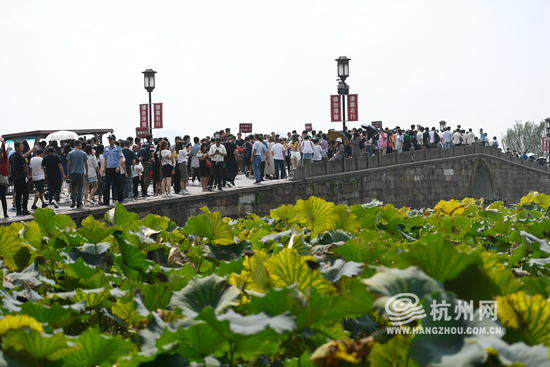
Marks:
<point>317,151</point>
<point>136,177</point>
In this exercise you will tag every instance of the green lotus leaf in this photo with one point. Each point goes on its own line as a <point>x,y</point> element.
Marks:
<point>96,349</point>
<point>94,231</point>
<point>392,353</point>
<point>437,257</point>
<point>347,221</point>
<point>119,217</point>
<point>339,268</point>
<point>52,224</point>
<point>30,231</point>
<point>303,361</point>
<point>79,269</point>
<point>539,285</point>
<point>317,214</point>
<point>10,245</point>
<point>533,243</point>
<point>155,222</point>
<point>527,318</point>
<point>246,346</point>
<point>284,213</point>
<point>277,301</point>
<point>228,267</point>
<point>518,254</point>
<point>287,268</point>
<point>93,297</point>
<point>33,348</point>
<point>515,354</point>
<point>200,340</point>
<point>542,200</point>
<point>333,236</point>
<point>125,309</point>
<point>361,251</point>
<point>210,226</point>
<point>6,361</point>
<point>359,326</point>
<point>56,316</point>
<point>211,291</point>
<point>132,261</point>
<point>388,282</point>
<point>427,349</point>
<point>354,302</point>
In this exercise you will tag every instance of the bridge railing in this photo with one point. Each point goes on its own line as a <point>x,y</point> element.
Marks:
<point>364,161</point>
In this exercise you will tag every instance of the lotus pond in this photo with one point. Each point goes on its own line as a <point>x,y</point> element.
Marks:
<point>312,284</point>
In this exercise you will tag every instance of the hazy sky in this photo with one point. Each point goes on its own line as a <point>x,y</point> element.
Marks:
<point>75,64</point>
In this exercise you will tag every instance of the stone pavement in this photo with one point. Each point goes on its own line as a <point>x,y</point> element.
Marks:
<point>241,181</point>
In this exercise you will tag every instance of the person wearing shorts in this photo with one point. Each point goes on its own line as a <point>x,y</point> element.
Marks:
<point>183,154</point>
<point>38,178</point>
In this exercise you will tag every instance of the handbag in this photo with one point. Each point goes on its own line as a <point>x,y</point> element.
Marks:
<point>4,181</point>
<point>208,163</point>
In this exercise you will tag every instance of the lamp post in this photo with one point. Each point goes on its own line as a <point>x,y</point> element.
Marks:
<point>442,125</point>
<point>343,88</point>
<point>547,120</point>
<point>149,83</point>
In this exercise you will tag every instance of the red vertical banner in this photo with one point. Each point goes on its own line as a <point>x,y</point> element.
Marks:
<point>144,115</point>
<point>544,144</point>
<point>157,115</point>
<point>335,114</point>
<point>353,114</point>
<point>309,127</point>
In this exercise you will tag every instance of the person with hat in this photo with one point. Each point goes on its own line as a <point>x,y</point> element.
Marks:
<point>339,155</point>
<point>113,164</point>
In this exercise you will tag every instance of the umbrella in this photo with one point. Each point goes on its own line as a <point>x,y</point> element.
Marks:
<point>333,134</point>
<point>62,135</point>
<point>371,130</point>
<point>530,155</point>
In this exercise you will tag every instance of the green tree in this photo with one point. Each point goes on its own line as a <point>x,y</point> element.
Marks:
<point>525,137</point>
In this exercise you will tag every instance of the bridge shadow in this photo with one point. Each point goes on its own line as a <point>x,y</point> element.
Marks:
<point>482,181</point>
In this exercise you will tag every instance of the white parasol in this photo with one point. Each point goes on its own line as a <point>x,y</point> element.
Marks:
<point>62,135</point>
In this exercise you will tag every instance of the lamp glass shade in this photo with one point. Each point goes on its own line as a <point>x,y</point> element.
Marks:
<point>340,70</point>
<point>346,69</point>
<point>152,81</point>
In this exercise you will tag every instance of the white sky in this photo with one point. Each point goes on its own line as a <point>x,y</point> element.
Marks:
<point>75,64</point>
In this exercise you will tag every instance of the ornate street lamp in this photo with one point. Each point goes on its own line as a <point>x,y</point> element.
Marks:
<point>442,125</point>
<point>343,88</point>
<point>343,67</point>
<point>149,84</point>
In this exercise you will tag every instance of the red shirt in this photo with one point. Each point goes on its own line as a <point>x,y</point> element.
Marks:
<point>4,164</point>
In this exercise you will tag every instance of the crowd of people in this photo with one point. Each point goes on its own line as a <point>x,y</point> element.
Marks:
<point>91,173</point>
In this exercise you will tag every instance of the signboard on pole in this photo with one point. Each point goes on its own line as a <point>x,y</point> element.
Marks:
<point>377,124</point>
<point>144,115</point>
<point>245,128</point>
<point>545,144</point>
<point>335,109</point>
<point>353,114</point>
<point>157,115</point>
<point>141,132</point>
<point>309,127</point>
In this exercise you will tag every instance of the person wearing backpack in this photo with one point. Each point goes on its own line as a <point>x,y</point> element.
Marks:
<point>144,154</point>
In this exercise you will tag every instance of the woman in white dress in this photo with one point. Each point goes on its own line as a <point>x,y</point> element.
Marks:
<point>270,168</point>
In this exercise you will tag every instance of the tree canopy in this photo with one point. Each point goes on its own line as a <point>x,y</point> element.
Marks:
<point>525,137</point>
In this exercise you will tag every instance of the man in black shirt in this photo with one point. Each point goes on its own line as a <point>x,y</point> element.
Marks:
<point>54,171</point>
<point>231,161</point>
<point>18,171</point>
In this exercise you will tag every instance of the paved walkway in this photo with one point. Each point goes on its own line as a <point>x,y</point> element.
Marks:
<point>241,181</point>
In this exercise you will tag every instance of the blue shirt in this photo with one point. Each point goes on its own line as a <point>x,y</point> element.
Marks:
<point>482,138</point>
<point>258,147</point>
<point>112,156</point>
<point>77,159</point>
<point>129,156</point>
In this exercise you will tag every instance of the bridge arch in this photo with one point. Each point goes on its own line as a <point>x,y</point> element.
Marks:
<point>481,185</point>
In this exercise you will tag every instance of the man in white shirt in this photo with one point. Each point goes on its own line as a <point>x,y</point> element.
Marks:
<point>217,153</point>
<point>447,137</point>
<point>256,158</point>
<point>38,178</point>
<point>471,137</point>
<point>432,138</point>
<point>278,152</point>
<point>457,138</point>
